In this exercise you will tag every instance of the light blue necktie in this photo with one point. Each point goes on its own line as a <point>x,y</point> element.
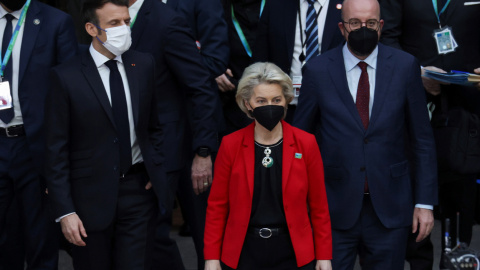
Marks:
<point>311,31</point>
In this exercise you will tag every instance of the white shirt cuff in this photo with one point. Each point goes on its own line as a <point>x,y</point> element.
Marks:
<point>424,206</point>
<point>60,218</point>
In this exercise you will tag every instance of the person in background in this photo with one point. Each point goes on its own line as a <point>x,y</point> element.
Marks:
<point>410,26</point>
<point>292,32</point>
<point>267,207</point>
<point>365,98</point>
<point>41,37</point>
<point>186,108</point>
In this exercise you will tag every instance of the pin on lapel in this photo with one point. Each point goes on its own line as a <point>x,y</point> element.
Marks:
<point>298,155</point>
<point>133,65</point>
<point>36,21</point>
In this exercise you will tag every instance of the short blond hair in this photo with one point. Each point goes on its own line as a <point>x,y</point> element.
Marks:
<point>262,73</point>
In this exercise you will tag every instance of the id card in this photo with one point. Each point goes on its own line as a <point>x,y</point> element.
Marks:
<point>297,84</point>
<point>444,40</point>
<point>5,97</point>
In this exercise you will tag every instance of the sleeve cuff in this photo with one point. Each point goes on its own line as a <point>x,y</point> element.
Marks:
<point>60,218</point>
<point>424,206</point>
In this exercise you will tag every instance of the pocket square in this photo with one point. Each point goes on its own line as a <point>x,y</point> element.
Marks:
<point>471,3</point>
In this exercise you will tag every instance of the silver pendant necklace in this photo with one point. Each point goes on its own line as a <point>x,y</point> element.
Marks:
<point>267,161</point>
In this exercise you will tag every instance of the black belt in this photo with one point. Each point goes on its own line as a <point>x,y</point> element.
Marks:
<point>135,168</point>
<point>267,232</point>
<point>12,131</point>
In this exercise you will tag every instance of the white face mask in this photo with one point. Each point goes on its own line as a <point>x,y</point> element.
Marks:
<point>118,39</point>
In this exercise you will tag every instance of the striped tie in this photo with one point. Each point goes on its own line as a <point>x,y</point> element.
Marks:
<point>311,31</point>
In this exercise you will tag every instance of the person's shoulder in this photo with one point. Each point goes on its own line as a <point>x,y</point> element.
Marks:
<point>72,63</point>
<point>399,55</point>
<point>51,12</point>
<point>300,135</point>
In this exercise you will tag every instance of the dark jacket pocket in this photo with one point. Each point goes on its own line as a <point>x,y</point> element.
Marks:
<point>399,169</point>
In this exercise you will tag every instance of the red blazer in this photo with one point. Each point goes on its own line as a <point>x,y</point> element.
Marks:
<point>304,197</point>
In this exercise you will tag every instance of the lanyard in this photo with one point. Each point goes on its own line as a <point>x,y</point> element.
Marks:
<point>8,53</point>
<point>242,37</point>
<point>435,7</point>
<point>133,21</point>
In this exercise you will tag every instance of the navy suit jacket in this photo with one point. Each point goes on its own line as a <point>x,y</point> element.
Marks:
<point>352,154</point>
<point>182,82</point>
<point>205,18</point>
<point>48,40</point>
<point>83,153</point>
<point>276,32</point>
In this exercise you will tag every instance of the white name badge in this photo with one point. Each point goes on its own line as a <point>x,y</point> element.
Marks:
<point>5,97</point>
<point>297,84</point>
<point>444,40</point>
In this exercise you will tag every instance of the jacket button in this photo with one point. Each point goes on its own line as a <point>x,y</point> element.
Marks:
<point>115,168</point>
<point>362,169</point>
<point>115,140</point>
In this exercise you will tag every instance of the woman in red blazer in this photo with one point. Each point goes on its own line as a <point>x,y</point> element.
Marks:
<point>267,207</point>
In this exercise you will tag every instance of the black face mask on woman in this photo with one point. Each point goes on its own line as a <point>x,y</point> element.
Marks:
<point>363,41</point>
<point>13,5</point>
<point>269,115</point>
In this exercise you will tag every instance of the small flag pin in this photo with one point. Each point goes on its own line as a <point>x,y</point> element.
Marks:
<point>298,155</point>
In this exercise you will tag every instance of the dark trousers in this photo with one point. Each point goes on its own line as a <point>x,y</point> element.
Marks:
<point>14,255</point>
<point>20,180</point>
<point>419,254</point>
<point>127,243</point>
<point>274,253</point>
<point>166,253</point>
<point>379,248</point>
<point>194,211</point>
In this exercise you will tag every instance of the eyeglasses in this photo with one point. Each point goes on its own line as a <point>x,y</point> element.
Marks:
<point>355,24</point>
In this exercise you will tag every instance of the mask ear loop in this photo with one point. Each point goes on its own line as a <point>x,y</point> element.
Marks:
<point>102,30</point>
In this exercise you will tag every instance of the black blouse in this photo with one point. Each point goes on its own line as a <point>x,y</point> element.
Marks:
<point>267,205</point>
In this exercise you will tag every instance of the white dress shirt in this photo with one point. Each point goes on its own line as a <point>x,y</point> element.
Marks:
<point>296,68</point>
<point>133,9</point>
<point>15,57</point>
<point>353,76</point>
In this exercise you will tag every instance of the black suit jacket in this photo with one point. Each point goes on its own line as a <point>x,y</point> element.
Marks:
<point>409,25</point>
<point>46,44</point>
<point>182,81</point>
<point>276,32</point>
<point>82,150</point>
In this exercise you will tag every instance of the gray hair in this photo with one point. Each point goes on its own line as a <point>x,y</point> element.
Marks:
<point>262,73</point>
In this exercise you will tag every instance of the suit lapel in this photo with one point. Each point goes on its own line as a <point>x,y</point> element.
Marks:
<point>330,24</point>
<point>339,78</point>
<point>289,16</point>
<point>287,159</point>
<point>141,22</point>
<point>249,156</point>
<point>90,72</point>
<point>382,81</point>
<point>172,4</point>
<point>130,69</point>
<point>30,34</point>
<point>451,11</point>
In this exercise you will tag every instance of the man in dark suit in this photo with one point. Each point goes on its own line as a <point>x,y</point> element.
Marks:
<point>365,99</point>
<point>205,19</point>
<point>103,146</point>
<point>409,26</point>
<point>284,38</point>
<point>186,103</point>
<point>45,38</point>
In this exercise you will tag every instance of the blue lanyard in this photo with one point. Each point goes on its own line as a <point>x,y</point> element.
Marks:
<point>435,7</point>
<point>8,53</point>
<point>240,33</point>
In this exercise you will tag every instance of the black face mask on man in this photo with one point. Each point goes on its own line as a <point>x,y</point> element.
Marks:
<point>269,115</point>
<point>363,41</point>
<point>13,5</point>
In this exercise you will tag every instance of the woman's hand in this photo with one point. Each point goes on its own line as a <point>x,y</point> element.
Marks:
<point>322,265</point>
<point>213,265</point>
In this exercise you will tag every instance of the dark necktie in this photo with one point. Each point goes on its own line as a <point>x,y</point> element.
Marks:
<point>311,31</point>
<point>120,114</point>
<point>363,97</point>
<point>7,114</point>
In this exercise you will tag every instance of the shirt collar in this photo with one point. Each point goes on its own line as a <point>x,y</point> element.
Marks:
<point>351,60</point>
<point>101,59</point>
<point>15,14</point>
<point>133,9</point>
<point>322,2</point>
